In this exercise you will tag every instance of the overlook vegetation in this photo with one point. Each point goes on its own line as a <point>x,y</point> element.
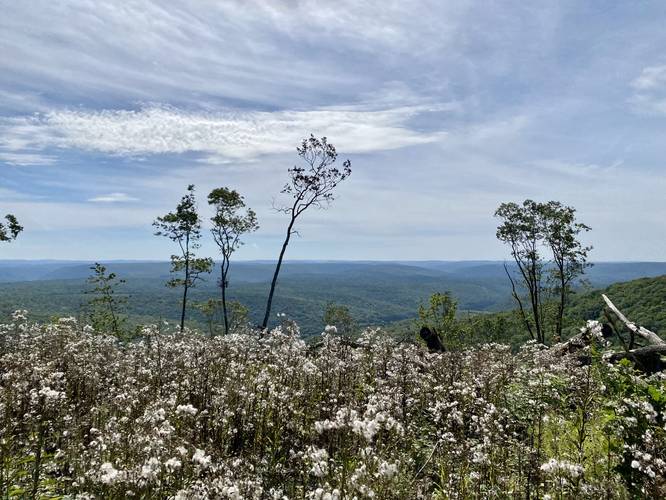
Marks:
<point>179,415</point>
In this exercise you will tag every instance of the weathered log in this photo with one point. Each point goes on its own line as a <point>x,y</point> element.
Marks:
<point>649,336</point>
<point>650,359</point>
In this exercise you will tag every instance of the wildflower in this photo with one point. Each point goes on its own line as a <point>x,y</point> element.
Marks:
<point>109,473</point>
<point>387,470</point>
<point>151,469</point>
<point>187,409</point>
<point>173,464</point>
<point>319,459</point>
<point>201,458</point>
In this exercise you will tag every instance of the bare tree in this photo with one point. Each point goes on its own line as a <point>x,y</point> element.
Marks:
<point>309,186</point>
<point>229,224</point>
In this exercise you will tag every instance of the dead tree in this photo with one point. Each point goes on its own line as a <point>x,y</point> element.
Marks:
<point>648,358</point>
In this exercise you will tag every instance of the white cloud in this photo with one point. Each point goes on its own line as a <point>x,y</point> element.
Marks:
<point>238,135</point>
<point>113,198</point>
<point>650,90</point>
<point>26,159</point>
<point>650,78</point>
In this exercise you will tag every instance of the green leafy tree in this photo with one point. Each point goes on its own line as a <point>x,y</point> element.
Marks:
<point>10,230</point>
<point>209,310</point>
<point>532,231</point>
<point>239,315</point>
<point>523,230</point>
<point>105,306</point>
<point>439,315</point>
<point>309,186</point>
<point>569,256</point>
<point>340,317</point>
<point>184,228</point>
<point>231,220</point>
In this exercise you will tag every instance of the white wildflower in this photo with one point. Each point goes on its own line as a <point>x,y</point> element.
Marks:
<point>201,458</point>
<point>109,474</point>
<point>187,409</point>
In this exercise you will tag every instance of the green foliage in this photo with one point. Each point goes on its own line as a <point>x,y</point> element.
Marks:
<point>229,224</point>
<point>209,309</point>
<point>184,228</point>
<point>190,270</point>
<point>239,316</point>
<point>340,317</point>
<point>105,308</point>
<point>10,230</point>
<point>643,301</point>
<point>440,317</point>
<point>528,230</point>
<point>376,294</point>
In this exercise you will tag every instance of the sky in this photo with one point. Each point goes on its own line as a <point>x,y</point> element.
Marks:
<point>446,108</point>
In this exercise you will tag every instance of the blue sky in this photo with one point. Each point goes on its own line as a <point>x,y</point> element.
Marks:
<point>446,109</point>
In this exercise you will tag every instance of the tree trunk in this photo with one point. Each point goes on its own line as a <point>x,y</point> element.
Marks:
<point>187,282</point>
<point>182,312</point>
<point>275,275</point>
<point>224,300</point>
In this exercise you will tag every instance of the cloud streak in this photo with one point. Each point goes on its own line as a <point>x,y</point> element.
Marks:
<point>113,198</point>
<point>235,135</point>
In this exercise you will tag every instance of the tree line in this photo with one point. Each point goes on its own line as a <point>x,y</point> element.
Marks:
<point>543,240</point>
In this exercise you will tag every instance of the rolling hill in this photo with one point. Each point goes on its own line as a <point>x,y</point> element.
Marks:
<point>377,293</point>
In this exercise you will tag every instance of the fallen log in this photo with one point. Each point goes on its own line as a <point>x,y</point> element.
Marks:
<point>650,359</point>
<point>649,336</point>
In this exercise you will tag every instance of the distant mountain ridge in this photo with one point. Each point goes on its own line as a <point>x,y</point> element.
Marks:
<point>601,273</point>
<point>377,292</point>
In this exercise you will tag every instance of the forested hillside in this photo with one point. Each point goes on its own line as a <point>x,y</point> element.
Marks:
<point>377,293</point>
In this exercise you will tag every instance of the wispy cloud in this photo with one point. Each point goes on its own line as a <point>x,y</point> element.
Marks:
<point>113,198</point>
<point>238,135</point>
<point>651,78</point>
<point>26,159</point>
<point>650,90</point>
<point>446,106</point>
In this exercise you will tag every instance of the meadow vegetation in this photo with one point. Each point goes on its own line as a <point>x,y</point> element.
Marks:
<point>249,415</point>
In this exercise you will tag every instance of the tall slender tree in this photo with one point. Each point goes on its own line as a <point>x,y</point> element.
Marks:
<point>231,220</point>
<point>184,227</point>
<point>523,230</point>
<point>309,186</point>
<point>569,255</point>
